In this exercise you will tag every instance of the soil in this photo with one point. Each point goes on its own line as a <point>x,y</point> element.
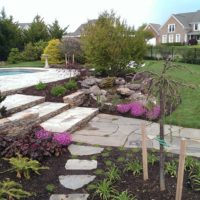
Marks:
<point>148,190</point>
<point>46,92</point>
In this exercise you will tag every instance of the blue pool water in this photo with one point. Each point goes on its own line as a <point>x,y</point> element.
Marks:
<point>5,72</point>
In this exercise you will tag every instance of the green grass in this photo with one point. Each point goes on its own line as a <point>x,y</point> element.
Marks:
<point>25,64</point>
<point>188,112</point>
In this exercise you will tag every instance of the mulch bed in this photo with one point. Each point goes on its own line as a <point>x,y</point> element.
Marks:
<point>135,185</point>
<point>46,92</point>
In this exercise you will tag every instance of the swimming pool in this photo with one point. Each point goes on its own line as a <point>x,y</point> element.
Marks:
<point>10,72</point>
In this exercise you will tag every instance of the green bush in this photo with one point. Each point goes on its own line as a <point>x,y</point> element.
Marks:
<point>41,86</point>
<point>14,56</point>
<point>58,91</point>
<point>71,85</point>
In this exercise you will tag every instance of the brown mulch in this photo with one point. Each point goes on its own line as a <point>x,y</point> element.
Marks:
<point>148,190</point>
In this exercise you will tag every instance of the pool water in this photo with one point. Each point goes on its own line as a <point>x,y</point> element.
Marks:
<point>14,72</point>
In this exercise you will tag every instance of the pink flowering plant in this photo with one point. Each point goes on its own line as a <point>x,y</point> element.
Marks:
<point>43,134</point>
<point>63,139</point>
<point>123,108</point>
<point>154,113</point>
<point>137,109</point>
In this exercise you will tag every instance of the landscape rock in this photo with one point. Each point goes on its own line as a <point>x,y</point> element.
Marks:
<point>75,99</point>
<point>88,82</point>
<point>138,96</point>
<point>120,81</point>
<point>75,182</point>
<point>95,90</point>
<point>81,150</point>
<point>133,86</point>
<point>69,197</point>
<point>76,164</point>
<point>124,91</point>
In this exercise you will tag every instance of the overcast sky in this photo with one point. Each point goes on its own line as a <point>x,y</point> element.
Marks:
<point>76,12</point>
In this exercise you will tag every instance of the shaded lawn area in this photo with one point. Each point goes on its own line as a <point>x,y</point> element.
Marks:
<point>25,64</point>
<point>188,112</point>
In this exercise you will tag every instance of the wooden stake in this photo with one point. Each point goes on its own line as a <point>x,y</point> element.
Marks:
<point>181,165</point>
<point>144,153</point>
<point>73,58</point>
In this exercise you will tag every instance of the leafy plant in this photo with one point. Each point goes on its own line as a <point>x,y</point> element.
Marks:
<point>152,159</point>
<point>71,85</point>
<point>50,188</point>
<point>41,86</point>
<point>120,159</point>
<point>105,154</point>
<point>194,176</point>
<point>24,165</point>
<point>171,168</point>
<point>113,174</point>
<point>134,167</point>
<point>108,163</point>
<point>11,189</point>
<point>104,190</point>
<point>99,172</point>
<point>58,91</point>
<point>189,163</point>
<point>124,196</point>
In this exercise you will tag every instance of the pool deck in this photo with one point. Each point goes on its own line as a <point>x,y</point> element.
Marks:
<point>11,84</point>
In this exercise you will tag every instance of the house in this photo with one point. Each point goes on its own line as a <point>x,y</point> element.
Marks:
<point>77,33</point>
<point>24,26</point>
<point>179,28</point>
<point>154,28</point>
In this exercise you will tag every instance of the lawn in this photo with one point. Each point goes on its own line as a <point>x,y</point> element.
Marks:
<point>25,64</point>
<point>188,112</point>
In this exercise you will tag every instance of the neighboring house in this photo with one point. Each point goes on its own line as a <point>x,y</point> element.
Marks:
<point>78,32</point>
<point>180,28</point>
<point>24,26</point>
<point>154,28</point>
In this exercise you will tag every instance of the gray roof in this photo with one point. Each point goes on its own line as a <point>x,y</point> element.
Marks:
<point>188,18</point>
<point>156,27</point>
<point>80,29</point>
<point>23,25</point>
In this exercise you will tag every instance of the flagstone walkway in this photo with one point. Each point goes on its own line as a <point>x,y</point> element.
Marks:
<point>112,130</point>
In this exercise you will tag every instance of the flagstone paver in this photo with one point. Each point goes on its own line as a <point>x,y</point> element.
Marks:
<point>69,197</point>
<point>76,164</point>
<point>75,182</point>
<point>82,150</point>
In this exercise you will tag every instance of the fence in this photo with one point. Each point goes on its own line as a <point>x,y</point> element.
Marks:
<point>179,54</point>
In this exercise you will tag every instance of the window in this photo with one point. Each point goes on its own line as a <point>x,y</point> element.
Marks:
<point>171,38</point>
<point>178,38</point>
<point>196,27</point>
<point>164,39</point>
<point>171,28</point>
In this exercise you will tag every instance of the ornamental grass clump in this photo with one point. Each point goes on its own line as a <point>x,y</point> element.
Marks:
<point>123,108</point>
<point>62,138</point>
<point>137,109</point>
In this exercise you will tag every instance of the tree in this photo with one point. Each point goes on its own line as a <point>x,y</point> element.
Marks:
<point>38,31</point>
<point>108,43</point>
<point>55,31</point>
<point>10,35</point>
<point>167,91</point>
<point>53,51</point>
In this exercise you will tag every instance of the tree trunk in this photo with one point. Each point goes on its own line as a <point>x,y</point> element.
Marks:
<point>162,156</point>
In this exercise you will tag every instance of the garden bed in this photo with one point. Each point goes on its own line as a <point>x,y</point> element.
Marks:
<point>119,157</point>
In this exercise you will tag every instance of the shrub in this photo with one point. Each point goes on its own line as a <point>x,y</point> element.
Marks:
<point>41,86</point>
<point>24,165</point>
<point>11,189</point>
<point>58,90</point>
<point>53,51</point>
<point>137,109</point>
<point>14,56</point>
<point>71,85</point>
<point>35,145</point>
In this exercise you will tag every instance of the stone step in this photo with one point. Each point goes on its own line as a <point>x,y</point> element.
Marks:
<point>76,164</point>
<point>45,110</point>
<point>69,197</point>
<point>18,102</point>
<point>70,120</point>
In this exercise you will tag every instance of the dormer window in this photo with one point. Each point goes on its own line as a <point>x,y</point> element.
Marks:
<point>171,28</point>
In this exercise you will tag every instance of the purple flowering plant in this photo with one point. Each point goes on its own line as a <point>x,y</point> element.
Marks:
<point>154,113</point>
<point>63,139</point>
<point>43,134</point>
<point>123,108</point>
<point>137,109</point>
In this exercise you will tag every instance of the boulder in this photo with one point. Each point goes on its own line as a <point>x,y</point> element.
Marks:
<point>95,90</point>
<point>133,86</point>
<point>124,91</point>
<point>88,82</point>
<point>138,96</point>
<point>120,81</point>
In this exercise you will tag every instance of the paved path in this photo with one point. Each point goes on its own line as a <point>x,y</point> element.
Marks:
<point>111,130</point>
<point>10,84</point>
